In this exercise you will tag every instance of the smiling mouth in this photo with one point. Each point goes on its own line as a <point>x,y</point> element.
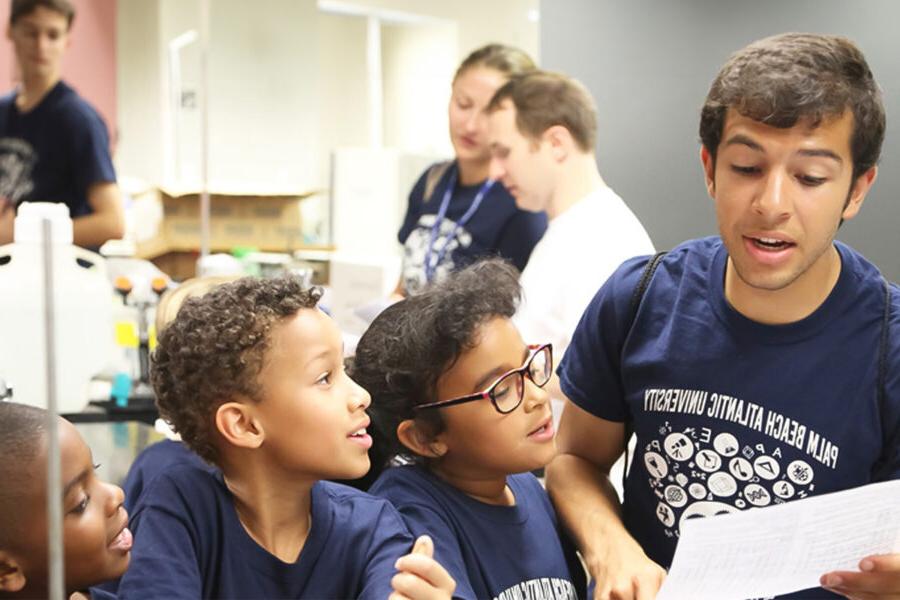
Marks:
<point>540,429</point>
<point>545,428</point>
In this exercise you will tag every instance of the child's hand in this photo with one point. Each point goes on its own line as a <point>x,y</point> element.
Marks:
<point>421,577</point>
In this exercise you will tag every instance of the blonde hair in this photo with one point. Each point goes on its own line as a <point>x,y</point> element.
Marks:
<point>172,300</point>
<point>508,60</point>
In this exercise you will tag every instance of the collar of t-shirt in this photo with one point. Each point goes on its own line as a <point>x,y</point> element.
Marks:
<point>843,294</point>
<point>582,209</point>
<point>265,562</point>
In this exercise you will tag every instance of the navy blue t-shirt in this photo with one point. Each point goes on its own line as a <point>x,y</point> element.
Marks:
<point>189,543</point>
<point>155,459</point>
<point>54,152</point>
<point>730,413</point>
<point>500,552</point>
<point>497,228</point>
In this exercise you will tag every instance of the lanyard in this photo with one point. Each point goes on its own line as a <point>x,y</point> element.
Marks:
<point>431,264</point>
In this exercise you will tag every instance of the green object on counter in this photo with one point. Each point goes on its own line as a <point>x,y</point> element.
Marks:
<point>241,253</point>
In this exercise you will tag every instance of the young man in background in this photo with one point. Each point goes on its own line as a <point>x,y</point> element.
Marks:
<point>53,145</point>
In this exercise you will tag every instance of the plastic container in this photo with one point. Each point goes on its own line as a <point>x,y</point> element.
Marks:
<point>83,309</point>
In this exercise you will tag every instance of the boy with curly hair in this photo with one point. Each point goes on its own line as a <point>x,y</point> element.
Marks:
<point>251,376</point>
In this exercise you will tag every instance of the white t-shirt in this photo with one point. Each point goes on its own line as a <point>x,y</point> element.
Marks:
<point>579,251</point>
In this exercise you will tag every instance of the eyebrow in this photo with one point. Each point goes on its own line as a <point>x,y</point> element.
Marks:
<point>821,152</point>
<point>494,373</point>
<point>81,476</point>
<point>743,140</point>
<point>323,354</point>
<point>78,479</point>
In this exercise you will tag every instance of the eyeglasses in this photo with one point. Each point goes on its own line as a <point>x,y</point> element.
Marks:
<point>507,392</point>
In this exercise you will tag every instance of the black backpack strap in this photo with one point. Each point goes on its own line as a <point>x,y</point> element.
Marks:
<point>636,299</point>
<point>882,357</point>
<point>888,438</point>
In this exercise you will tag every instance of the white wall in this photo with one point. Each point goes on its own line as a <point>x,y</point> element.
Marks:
<point>288,84</point>
<point>479,21</point>
<point>342,85</point>
<point>418,65</point>
<point>418,62</point>
<point>181,126</point>
<point>263,103</point>
<point>264,93</point>
<point>139,70</point>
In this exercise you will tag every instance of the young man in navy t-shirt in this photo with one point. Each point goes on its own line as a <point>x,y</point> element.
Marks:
<point>760,366</point>
<point>53,145</point>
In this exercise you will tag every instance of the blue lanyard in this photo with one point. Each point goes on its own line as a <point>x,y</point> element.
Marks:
<point>431,264</point>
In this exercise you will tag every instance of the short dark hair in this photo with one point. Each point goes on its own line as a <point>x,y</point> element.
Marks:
<point>214,350</point>
<point>20,8</point>
<point>407,348</point>
<point>508,60</point>
<point>543,99</point>
<point>782,79</point>
<point>22,435</point>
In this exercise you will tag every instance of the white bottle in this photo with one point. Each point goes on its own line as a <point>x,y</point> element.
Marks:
<point>82,309</point>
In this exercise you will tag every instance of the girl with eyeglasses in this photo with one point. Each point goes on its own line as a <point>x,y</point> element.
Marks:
<point>458,409</point>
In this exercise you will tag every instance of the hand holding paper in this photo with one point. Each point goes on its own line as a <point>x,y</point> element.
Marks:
<point>878,576</point>
<point>785,548</point>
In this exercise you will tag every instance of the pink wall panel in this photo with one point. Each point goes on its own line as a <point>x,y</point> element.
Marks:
<point>90,63</point>
<point>7,60</point>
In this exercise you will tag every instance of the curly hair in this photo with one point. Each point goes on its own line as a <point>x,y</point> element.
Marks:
<point>785,78</point>
<point>215,349</point>
<point>170,302</point>
<point>407,348</point>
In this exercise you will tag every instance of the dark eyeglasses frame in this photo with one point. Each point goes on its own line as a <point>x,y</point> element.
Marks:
<point>523,371</point>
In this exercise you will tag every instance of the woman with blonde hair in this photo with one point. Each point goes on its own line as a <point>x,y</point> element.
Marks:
<point>456,214</point>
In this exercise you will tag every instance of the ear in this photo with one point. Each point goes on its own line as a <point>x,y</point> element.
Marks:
<point>239,426</point>
<point>861,187</point>
<point>412,435</point>
<point>559,141</point>
<point>709,171</point>
<point>12,578</point>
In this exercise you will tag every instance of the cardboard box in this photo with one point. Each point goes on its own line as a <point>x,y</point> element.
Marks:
<point>269,222</point>
<point>266,222</point>
<point>179,266</point>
